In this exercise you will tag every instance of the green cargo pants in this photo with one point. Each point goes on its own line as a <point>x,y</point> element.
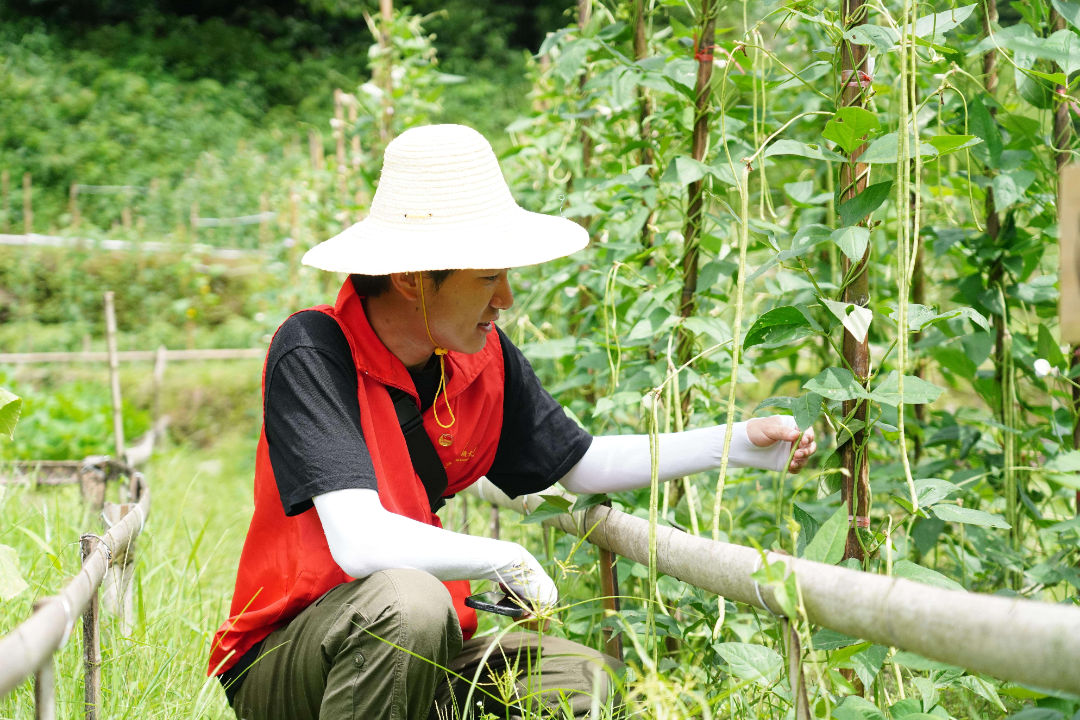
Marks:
<point>380,647</point>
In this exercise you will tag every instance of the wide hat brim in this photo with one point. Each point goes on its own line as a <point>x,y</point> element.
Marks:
<point>516,239</point>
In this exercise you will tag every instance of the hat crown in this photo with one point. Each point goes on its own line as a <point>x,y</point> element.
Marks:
<point>441,174</point>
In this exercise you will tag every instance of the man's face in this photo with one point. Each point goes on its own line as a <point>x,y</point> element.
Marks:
<point>462,310</point>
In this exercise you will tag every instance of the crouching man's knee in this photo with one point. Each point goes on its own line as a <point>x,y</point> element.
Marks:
<point>394,634</point>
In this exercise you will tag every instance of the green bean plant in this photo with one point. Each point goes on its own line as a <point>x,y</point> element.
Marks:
<point>844,271</point>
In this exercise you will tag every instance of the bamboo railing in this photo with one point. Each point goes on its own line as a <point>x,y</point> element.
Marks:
<point>1009,638</point>
<point>28,649</point>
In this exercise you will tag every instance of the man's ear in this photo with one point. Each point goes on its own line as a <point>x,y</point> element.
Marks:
<point>407,284</point>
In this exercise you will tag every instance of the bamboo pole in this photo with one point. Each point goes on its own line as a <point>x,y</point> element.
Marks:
<point>131,356</point>
<point>1008,637</point>
<point>855,489</point>
<point>117,586</point>
<point>28,204</point>
<point>27,648</point>
<point>114,376</point>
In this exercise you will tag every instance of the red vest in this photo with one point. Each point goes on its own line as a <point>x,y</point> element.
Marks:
<point>286,564</point>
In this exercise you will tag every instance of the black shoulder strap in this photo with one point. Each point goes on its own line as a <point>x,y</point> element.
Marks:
<point>425,460</point>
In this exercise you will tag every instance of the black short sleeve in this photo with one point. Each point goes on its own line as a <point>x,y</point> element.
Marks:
<point>312,415</point>
<point>539,442</point>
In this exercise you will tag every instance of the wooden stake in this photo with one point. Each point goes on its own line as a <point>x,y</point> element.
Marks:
<point>160,360</point>
<point>91,644</point>
<point>494,524</point>
<point>45,692</point>
<point>989,18</point>
<point>114,376</point>
<point>315,150</point>
<point>796,679</point>
<point>125,217</point>
<point>27,204</point>
<point>609,592</point>
<point>1068,223</point>
<point>339,146</point>
<point>386,14</point>
<point>92,485</point>
<point>73,206</point>
<point>641,51</point>
<point>584,16</point>
<point>264,222</point>
<point>5,182</point>
<point>193,220</point>
<point>339,126</point>
<point>45,687</point>
<point>695,206</point>
<point>353,108</point>
<point>855,488</point>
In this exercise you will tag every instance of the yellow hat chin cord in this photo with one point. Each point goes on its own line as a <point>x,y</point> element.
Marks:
<point>441,353</point>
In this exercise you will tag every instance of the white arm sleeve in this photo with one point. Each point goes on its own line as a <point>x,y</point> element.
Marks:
<point>614,463</point>
<point>364,537</point>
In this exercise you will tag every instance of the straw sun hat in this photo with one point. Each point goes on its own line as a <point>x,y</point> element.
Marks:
<point>442,204</point>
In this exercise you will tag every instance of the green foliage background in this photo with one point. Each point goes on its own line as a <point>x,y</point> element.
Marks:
<point>989,453</point>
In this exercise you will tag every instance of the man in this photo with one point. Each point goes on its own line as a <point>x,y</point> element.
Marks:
<point>349,599</point>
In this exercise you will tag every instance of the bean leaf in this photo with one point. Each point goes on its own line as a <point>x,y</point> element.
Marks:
<point>886,149</point>
<point>946,144</point>
<point>856,708</point>
<point>547,509</point>
<point>11,579</point>
<point>826,639</point>
<point>836,384</point>
<point>755,663</point>
<point>870,199</point>
<point>807,410</point>
<point>829,541</point>
<point>10,408</point>
<point>852,241</point>
<point>855,318</point>
<point>968,516</point>
<point>916,390</point>
<point>584,502</point>
<point>850,126</point>
<point>917,573</point>
<point>778,326</point>
<point>933,490</point>
<point>1068,10</point>
<point>882,38</point>
<point>794,147</point>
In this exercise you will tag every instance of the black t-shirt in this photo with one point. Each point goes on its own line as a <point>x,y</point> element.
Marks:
<point>312,418</point>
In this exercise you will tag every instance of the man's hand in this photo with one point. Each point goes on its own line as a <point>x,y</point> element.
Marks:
<point>525,580</point>
<point>763,432</point>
